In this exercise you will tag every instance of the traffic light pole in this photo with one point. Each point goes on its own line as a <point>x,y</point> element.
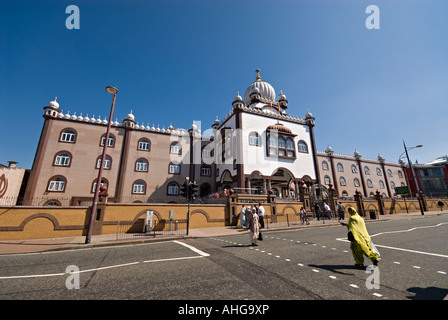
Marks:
<point>188,217</point>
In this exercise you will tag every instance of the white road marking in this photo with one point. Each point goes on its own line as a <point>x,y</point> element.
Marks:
<point>402,249</point>
<point>408,230</point>
<point>202,253</point>
<point>377,295</point>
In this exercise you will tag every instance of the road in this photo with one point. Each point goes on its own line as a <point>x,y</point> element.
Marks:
<point>298,264</point>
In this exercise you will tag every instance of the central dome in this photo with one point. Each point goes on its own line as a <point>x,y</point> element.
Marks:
<point>266,91</point>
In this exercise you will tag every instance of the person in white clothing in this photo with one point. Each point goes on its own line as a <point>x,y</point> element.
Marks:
<point>261,215</point>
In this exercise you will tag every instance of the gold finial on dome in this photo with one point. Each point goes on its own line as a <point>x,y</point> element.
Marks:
<point>258,74</point>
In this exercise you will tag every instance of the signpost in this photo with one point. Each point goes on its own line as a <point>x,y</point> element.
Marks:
<point>402,190</point>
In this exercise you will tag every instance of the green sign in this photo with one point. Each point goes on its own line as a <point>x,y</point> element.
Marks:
<point>402,190</point>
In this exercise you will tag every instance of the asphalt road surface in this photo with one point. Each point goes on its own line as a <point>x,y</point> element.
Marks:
<point>301,264</point>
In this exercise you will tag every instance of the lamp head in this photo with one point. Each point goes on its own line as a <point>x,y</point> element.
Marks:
<point>111,90</point>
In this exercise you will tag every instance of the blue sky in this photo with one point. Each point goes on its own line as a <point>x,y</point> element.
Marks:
<point>176,62</point>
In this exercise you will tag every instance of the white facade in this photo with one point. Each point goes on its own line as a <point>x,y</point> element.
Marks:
<point>256,158</point>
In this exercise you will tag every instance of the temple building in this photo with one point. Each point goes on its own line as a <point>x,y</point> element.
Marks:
<point>257,148</point>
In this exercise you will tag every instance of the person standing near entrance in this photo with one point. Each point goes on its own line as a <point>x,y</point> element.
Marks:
<point>360,242</point>
<point>341,210</point>
<point>247,216</point>
<point>261,215</point>
<point>317,210</point>
<point>243,216</point>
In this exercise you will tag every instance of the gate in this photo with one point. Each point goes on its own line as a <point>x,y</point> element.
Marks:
<point>320,195</point>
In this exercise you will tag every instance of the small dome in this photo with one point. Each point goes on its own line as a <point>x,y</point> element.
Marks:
<point>279,127</point>
<point>281,96</point>
<point>54,104</point>
<point>308,114</point>
<point>238,97</point>
<point>130,116</point>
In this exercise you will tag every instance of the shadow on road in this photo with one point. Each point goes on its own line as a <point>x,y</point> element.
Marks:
<point>335,268</point>
<point>429,293</point>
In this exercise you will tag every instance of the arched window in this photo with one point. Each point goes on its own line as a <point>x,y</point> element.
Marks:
<point>324,165</point>
<point>174,168</point>
<point>290,151</point>
<point>340,167</point>
<point>327,180</point>
<point>400,174</point>
<point>303,147</point>
<point>68,135</point>
<point>175,148</point>
<point>369,183</point>
<point>110,141</point>
<point>354,169</point>
<point>272,142</point>
<point>356,182</point>
<point>173,189</point>
<point>139,187</point>
<point>392,185</point>
<point>62,159</point>
<point>205,189</point>
<point>144,144</point>
<point>141,165</point>
<point>107,162</point>
<point>389,173</point>
<point>57,184</point>
<point>366,170</point>
<point>104,182</point>
<point>254,139</point>
<point>381,184</point>
<point>342,181</point>
<point>378,172</point>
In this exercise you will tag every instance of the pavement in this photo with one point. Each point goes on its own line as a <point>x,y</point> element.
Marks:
<point>71,243</point>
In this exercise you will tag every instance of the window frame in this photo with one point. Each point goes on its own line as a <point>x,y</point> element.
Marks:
<point>174,165</point>
<point>141,184</point>
<point>58,154</point>
<point>144,141</point>
<point>63,135</point>
<point>53,180</point>
<point>140,161</point>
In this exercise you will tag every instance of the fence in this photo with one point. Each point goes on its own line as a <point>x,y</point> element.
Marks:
<point>127,230</point>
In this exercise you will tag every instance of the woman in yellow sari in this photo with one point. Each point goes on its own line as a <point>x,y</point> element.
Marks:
<point>360,242</point>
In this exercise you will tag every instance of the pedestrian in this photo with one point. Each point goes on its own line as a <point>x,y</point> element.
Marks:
<point>247,215</point>
<point>261,212</point>
<point>440,204</point>
<point>341,210</point>
<point>361,243</point>
<point>327,210</point>
<point>317,210</point>
<point>303,216</point>
<point>243,216</point>
<point>254,227</point>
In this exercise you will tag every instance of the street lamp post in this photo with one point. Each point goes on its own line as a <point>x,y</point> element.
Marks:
<point>414,177</point>
<point>113,91</point>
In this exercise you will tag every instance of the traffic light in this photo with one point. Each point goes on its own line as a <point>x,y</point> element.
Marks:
<point>184,192</point>
<point>194,190</point>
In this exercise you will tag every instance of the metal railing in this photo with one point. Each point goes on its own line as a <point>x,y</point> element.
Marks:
<point>164,228</point>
